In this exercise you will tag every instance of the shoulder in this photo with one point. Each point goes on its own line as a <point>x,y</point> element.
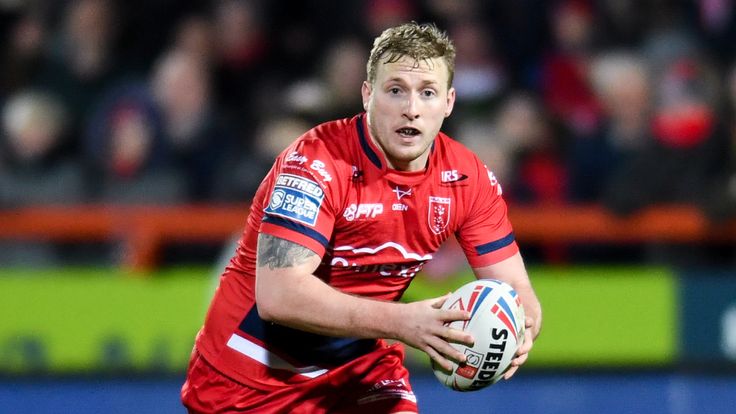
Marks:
<point>461,167</point>
<point>455,155</point>
<point>322,152</point>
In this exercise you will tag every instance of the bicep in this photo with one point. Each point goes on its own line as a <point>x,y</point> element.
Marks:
<point>283,268</point>
<point>276,254</point>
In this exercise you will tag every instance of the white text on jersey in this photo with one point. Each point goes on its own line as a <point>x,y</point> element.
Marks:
<point>364,210</point>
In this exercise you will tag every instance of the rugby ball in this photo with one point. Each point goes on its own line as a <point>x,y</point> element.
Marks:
<point>497,325</point>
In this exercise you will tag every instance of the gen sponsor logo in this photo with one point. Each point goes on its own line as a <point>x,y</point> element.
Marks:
<point>296,198</point>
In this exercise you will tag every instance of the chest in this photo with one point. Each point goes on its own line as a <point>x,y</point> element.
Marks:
<point>388,222</point>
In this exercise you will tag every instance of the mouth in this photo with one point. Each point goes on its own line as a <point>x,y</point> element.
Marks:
<point>408,132</point>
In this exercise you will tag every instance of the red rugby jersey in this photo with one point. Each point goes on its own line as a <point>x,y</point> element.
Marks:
<point>374,228</point>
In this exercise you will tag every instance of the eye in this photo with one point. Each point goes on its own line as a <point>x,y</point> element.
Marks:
<point>428,93</point>
<point>394,91</point>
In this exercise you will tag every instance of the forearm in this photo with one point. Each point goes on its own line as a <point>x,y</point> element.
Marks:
<point>311,305</point>
<point>513,272</point>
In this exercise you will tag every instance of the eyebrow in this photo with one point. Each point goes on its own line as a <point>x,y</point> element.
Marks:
<point>401,80</point>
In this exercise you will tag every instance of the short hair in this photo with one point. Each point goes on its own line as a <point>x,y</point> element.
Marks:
<point>417,41</point>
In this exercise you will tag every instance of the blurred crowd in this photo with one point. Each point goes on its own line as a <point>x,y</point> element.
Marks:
<point>621,102</point>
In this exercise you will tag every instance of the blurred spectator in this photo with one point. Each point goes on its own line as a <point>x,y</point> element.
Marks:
<point>332,93</point>
<point>32,171</point>
<point>480,76</point>
<point>721,204</point>
<point>239,178</point>
<point>622,85</point>
<point>382,14</point>
<point>83,61</point>
<point>521,149</point>
<point>622,23</point>
<point>128,157</point>
<point>195,35</point>
<point>241,53</point>
<point>688,151</point>
<point>198,140</point>
<point>565,88</point>
<point>22,53</point>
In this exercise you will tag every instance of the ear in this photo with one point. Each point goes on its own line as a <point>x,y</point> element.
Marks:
<point>450,102</point>
<point>365,91</point>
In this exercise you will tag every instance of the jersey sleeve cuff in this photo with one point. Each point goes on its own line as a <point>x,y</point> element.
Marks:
<point>494,256</point>
<point>294,232</point>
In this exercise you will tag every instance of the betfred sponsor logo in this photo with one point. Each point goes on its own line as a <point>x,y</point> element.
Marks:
<point>296,198</point>
<point>299,183</point>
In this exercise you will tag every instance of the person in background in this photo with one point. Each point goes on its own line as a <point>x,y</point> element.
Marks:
<point>33,172</point>
<point>346,217</point>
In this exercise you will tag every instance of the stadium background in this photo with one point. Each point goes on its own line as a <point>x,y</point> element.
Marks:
<point>133,134</point>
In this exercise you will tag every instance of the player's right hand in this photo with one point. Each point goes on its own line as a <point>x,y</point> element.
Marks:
<point>424,325</point>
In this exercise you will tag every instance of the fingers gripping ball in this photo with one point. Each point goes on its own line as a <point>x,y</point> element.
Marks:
<point>497,325</point>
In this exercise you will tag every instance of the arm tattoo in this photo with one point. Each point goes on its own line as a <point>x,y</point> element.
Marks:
<point>279,253</point>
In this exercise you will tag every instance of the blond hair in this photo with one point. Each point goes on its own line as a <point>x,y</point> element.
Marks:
<point>420,42</point>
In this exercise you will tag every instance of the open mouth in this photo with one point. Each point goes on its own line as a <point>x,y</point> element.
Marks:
<point>408,132</point>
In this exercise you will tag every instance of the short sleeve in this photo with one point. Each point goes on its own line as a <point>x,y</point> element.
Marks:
<point>301,194</point>
<point>486,235</point>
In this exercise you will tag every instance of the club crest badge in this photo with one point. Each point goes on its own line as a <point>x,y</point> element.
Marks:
<point>439,214</point>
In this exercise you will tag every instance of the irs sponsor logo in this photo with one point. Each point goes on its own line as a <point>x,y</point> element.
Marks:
<point>296,198</point>
<point>452,176</point>
<point>363,210</point>
<point>399,207</point>
<point>439,214</point>
<point>319,167</point>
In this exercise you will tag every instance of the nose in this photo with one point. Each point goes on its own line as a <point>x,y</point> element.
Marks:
<point>411,110</point>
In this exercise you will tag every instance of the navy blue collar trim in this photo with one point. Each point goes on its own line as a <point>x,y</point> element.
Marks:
<point>364,143</point>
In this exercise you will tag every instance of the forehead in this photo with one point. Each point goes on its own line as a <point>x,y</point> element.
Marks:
<point>433,69</point>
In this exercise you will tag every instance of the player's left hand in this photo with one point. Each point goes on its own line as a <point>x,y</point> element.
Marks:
<point>523,352</point>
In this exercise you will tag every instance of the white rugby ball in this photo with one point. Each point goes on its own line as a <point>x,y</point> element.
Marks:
<point>497,325</point>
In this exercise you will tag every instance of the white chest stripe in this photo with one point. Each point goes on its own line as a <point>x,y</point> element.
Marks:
<point>386,245</point>
<point>266,357</point>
